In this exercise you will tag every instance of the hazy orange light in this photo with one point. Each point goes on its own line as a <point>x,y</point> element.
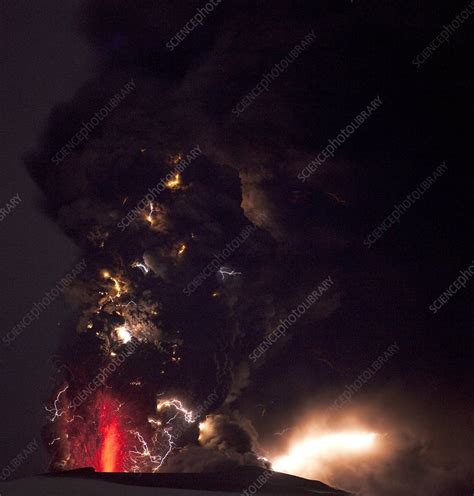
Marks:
<point>314,450</point>
<point>204,428</point>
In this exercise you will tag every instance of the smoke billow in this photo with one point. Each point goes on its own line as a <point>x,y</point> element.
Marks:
<point>179,264</point>
<point>225,441</point>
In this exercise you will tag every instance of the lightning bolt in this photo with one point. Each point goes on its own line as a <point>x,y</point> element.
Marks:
<point>145,269</point>
<point>226,271</point>
<point>138,455</point>
<point>175,403</point>
<point>150,215</point>
<point>54,409</point>
<point>280,433</point>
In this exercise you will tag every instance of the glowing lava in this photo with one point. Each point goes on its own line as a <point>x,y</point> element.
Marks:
<point>110,449</point>
<point>111,438</point>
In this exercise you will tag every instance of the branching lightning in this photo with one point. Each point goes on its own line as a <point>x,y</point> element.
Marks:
<point>54,440</point>
<point>55,410</point>
<point>137,456</point>
<point>175,403</point>
<point>227,271</point>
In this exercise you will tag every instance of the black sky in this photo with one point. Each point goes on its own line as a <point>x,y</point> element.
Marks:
<point>43,62</point>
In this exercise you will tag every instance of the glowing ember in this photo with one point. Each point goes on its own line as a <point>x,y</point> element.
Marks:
<point>118,289</point>
<point>149,217</point>
<point>310,452</point>
<point>174,183</point>
<point>175,159</point>
<point>155,216</point>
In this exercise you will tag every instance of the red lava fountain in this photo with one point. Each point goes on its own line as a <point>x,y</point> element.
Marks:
<point>111,437</point>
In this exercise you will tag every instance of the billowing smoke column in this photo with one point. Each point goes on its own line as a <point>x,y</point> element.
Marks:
<point>188,261</point>
<point>167,304</point>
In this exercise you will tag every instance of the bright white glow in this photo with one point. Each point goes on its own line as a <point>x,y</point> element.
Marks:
<point>204,429</point>
<point>144,268</point>
<point>175,403</point>
<point>123,334</point>
<point>315,449</point>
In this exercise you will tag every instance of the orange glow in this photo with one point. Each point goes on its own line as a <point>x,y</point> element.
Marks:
<point>111,437</point>
<point>118,289</point>
<point>155,216</point>
<point>175,159</point>
<point>174,183</point>
<point>111,446</point>
<point>181,249</point>
<point>316,453</point>
<point>204,429</point>
<point>116,286</point>
<point>149,217</point>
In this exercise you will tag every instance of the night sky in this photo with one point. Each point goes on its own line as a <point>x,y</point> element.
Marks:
<point>62,63</point>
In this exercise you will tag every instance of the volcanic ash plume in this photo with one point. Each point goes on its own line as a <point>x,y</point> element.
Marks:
<point>167,304</point>
<point>181,283</point>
